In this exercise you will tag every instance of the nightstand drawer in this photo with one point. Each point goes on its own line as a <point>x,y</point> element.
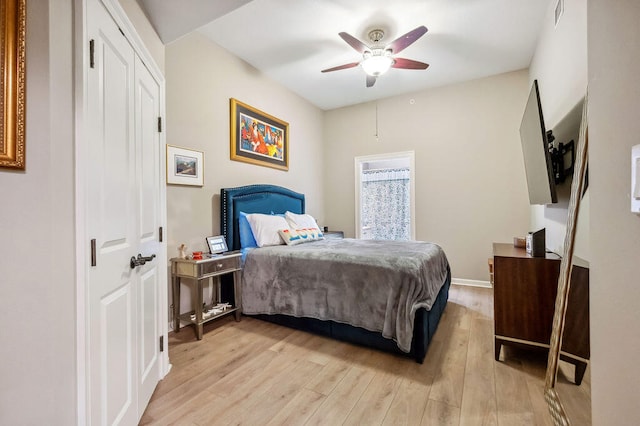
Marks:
<point>206,267</point>
<point>220,265</point>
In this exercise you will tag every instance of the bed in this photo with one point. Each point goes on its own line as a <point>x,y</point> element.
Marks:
<point>329,286</point>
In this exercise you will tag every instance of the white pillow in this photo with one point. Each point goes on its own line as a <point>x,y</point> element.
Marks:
<point>265,228</point>
<point>297,221</point>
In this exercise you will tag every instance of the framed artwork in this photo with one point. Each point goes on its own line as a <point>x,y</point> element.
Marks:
<point>12,86</point>
<point>258,138</point>
<point>184,166</point>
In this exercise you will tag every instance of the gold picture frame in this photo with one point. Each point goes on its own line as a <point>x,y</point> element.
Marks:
<point>12,86</point>
<point>258,138</point>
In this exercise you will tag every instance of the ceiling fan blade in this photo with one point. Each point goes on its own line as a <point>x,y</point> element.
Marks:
<point>371,80</point>
<point>354,42</point>
<point>402,42</point>
<point>342,67</point>
<point>409,64</point>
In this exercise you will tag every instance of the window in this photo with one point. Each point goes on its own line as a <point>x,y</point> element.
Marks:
<point>384,197</point>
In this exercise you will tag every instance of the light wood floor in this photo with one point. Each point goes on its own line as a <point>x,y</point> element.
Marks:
<point>256,373</point>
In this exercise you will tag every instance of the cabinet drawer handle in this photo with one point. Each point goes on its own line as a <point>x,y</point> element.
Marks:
<point>220,265</point>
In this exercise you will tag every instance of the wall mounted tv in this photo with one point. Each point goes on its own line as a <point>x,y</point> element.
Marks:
<point>535,149</point>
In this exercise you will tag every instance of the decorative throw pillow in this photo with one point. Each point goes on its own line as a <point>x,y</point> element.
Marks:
<point>265,228</point>
<point>299,221</point>
<point>292,237</point>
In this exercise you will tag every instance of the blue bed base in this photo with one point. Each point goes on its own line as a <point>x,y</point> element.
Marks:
<point>272,199</point>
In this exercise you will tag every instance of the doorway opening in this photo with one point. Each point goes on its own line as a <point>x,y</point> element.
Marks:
<point>385,193</point>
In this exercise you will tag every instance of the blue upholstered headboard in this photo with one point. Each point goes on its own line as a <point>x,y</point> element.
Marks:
<point>267,199</point>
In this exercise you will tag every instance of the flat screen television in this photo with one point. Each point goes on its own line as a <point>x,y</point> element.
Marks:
<point>535,149</point>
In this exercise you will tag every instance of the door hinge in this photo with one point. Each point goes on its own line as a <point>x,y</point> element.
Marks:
<point>93,252</point>
<point>159,124</point>
<point>161,343</point>
<point>92,62</point>
<point>160,234</point>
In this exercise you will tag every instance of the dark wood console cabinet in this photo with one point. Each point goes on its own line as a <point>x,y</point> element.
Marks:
<point>524,293</point>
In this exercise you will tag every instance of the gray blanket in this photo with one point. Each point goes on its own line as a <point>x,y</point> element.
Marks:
<point>376,285</point>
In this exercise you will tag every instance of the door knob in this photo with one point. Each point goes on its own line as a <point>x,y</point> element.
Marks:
<point>140,260</point>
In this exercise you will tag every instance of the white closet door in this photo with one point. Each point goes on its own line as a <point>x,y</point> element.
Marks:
<point>123,216</point>
<point>148,197</point>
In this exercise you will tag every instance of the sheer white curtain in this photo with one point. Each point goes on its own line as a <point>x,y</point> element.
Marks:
<point>385,204</point>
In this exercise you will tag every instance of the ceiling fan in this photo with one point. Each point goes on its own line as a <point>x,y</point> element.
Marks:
<point>378,58</point>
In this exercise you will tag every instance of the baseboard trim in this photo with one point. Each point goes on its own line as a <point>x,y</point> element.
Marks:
<point>471,283</point>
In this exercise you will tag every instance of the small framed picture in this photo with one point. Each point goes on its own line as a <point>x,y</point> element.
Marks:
<point>216,244</point>
<point>184,166</point>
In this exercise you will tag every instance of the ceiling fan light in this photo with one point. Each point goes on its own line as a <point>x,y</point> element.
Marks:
<point>377,65</point>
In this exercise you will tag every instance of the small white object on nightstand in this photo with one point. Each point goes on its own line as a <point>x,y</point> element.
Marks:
<point>182,251</point>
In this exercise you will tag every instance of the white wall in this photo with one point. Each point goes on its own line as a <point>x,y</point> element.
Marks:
<point>144,29</point>
<point>560,60</point>
<point>560,66</point>
<point>470,183</point>
<point>201,77</point>
<point>37,253</point>
<point>614,127</point>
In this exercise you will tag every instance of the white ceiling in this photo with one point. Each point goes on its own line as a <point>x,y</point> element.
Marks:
<point>290,41</point>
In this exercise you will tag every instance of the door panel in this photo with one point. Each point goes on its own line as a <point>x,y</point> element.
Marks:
<point>116,360</point>
<point>123,215</point>
<point>111,184</point>
<point>115,150</point>
<point>148,343</point>
<point>147,111</point>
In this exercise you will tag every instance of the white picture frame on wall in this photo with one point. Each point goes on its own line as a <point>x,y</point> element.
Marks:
<point>184,166</point>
